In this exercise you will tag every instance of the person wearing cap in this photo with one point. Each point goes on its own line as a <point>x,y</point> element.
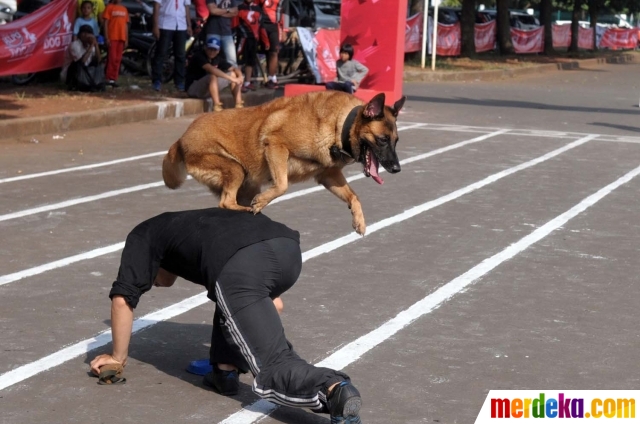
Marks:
<point>219,25</point>
<point>245,262</point>
<point>84,51</point>
<point>208,73</point>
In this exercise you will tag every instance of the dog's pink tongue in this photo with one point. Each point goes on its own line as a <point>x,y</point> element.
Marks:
<point>373,169</point>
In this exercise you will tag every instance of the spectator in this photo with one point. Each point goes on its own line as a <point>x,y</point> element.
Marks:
<point>219,26</point>
<point>245,262</point>
<point>81,69</point>
<point>273,23</point>
<point>350,72</point>
<point>249,31</point>
<point>85,18</point>
<point>208,73</point>
<point>116,34</point>
<point>171,23</point>
<point>96,11</point>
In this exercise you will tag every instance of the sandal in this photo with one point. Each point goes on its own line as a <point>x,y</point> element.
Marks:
<point>111,374</point>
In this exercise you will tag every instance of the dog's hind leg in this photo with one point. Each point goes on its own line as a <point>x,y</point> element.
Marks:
<point>223,177</point>
<point>333,180</point>
<point>277,157</point>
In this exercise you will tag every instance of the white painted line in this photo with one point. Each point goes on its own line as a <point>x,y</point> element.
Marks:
<point>80,168</point>
<point>10,278</point>
<point>402,162</point>
<point>60,357</point>
<point>524,132</point>
<point>73,202</point>
<point>354,350</point>
<point>113,193</point>
<point>26,371</point>
<point>410,213</point>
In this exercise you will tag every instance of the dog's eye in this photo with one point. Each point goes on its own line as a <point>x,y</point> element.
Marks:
<point>382,140</point>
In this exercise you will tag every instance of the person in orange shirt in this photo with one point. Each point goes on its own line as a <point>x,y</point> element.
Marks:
<point>116,34</point>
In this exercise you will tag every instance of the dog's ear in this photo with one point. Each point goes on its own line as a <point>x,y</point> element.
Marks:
<point>375,108</point>
<point>398,105</point>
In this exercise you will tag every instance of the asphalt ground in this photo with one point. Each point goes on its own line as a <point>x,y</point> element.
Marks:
<point>503,256</point>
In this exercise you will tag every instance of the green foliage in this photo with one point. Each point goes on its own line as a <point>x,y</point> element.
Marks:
<point>451,3</point>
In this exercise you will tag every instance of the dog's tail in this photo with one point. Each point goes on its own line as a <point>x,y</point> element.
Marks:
<point>174,171</point>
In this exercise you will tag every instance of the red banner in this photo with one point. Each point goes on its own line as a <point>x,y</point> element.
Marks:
<point>413,34</point>
<point>561,35</point>
<point>449,40</point>
<point>485,36</point>
<point>38,41</point>
<point>619,38</point>
<point>531,41</point>
<point>327,53</point>
<point>585,38</point>
<point>371,27</point>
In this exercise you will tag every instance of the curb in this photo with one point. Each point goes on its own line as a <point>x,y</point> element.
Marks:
<point>498,74</point>
<point>170,108</point>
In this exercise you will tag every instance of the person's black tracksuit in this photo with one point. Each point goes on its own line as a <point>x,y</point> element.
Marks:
<point>244,261</point>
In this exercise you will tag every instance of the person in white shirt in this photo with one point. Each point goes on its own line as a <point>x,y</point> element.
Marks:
<point>171,23</point>
<point>83,50</point>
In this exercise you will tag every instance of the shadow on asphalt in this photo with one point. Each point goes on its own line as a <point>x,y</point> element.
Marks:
<point>616,126</point>
<point>520,105</point>
<point>170,346</point>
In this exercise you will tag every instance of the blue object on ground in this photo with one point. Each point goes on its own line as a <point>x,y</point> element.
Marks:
<point>200,367</point>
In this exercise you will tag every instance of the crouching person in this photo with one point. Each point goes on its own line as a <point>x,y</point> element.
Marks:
<point>245,262</point>
<point>208,73</point>
<point>82,70</point>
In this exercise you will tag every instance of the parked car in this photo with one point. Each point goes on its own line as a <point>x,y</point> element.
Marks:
<point>518,20</point>
<point>582,24</point>
<point>327,13</point>
<point>6,13</point>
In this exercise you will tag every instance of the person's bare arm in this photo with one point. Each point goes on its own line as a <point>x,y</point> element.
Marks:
<point>121,325</point>
<point>107,41</point>
<point>218,11</point>
<point>218,73</point>
<point>188,15</point>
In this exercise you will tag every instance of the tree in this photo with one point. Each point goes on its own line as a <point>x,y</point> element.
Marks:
<point>545,20</point>
<point>575,25</point>
<point>467,26</point>
<point>595,6</point>
<point>504,27</point>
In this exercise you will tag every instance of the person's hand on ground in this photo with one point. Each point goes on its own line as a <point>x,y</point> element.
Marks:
<point>105,359</point>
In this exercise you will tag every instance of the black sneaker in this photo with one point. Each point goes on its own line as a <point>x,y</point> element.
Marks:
<point>272,85</point>
<point>226,383</point>
<point>344,404</point>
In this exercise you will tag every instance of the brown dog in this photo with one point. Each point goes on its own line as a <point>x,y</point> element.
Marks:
<point>290,139</point>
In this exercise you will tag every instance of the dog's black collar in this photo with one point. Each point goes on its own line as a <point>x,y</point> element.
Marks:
<point>346,149</point>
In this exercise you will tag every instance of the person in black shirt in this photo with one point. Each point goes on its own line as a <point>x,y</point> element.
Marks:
<point>245,262</point>
<point>208,73</point>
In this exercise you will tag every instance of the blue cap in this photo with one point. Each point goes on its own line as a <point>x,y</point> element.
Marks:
<point>213,42</point>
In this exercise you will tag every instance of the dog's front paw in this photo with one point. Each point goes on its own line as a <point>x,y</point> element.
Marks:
<point>358,224</point>
<point>257,204</point>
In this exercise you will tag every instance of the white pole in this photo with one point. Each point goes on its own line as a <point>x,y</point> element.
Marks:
<point>434,41</point>
<point>425,18</point>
